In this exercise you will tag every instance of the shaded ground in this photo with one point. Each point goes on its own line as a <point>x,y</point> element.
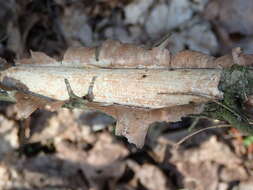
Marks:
<point>74,150</point>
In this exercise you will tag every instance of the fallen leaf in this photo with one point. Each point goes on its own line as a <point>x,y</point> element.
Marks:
<point>153,178</point>
<point>210,151</point>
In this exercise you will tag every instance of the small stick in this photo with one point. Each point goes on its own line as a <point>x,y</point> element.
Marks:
<point>76,101</point>
<point>69,89</point>
<point>90,94</point>
<point>196,132</point>
<point>163,43</point>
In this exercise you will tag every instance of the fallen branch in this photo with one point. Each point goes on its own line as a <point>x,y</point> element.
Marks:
<point>147,88</point>
<point>135,85</point>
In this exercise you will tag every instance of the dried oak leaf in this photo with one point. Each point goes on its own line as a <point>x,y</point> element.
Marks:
<point>27,102</point>
<point>198,176</point>
<point>199,166</point>
<point>133,123</point>
<point>153,178</point>
<point>209,151</point>
<point>102,162</point>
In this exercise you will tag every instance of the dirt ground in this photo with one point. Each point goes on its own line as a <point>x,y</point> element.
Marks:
<point>73,149</point>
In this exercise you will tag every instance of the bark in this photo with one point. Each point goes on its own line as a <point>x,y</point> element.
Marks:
<point>147,88</point>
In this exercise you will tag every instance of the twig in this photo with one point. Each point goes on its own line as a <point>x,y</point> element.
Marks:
<point>196,132</point>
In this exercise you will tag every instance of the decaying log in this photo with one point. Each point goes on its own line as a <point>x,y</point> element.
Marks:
<point>137,86</point>
<point>155,88</point>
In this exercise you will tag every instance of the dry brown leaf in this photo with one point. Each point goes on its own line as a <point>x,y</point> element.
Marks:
<point>102,162</point>
<point>153,178</point>
<point>26,101</point>
<point>133,123</point>
<point>105,152</point>
<point>27,104</point>
<point>199,176</point>
<point>70,166</point>
<point>245,185</point>
<point>199,165</point>
<point>61,125</point>
<point>8,136</point>
<point>210,151</point>
<point>234,173</point>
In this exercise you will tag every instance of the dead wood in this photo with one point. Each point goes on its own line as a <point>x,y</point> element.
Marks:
<point>138,86</point>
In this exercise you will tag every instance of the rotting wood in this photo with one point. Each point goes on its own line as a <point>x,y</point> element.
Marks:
<point>135,85</point>
<point>154,88</point>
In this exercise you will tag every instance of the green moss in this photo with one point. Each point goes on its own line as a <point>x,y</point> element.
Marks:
<point>248,141</point>
<point>236,83</point>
